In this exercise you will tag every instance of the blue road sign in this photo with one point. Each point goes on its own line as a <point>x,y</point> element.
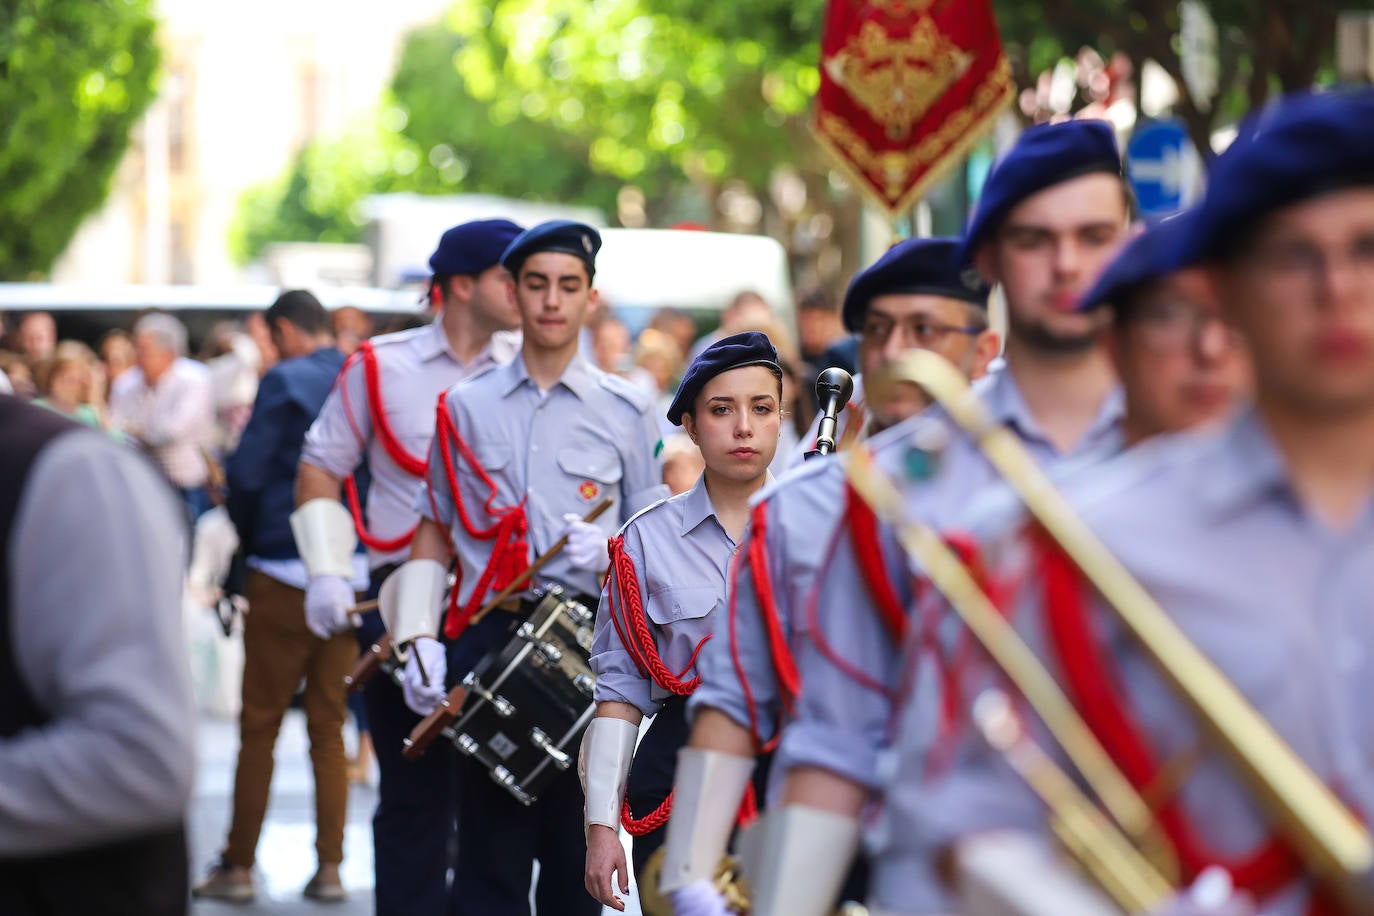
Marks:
<point>1161,164</point>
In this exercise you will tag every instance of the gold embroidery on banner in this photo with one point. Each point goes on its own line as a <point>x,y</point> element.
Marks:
<point>894,79</point>
<point>892,170</point>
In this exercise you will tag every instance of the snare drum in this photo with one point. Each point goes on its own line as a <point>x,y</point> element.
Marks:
<point>530,700</point>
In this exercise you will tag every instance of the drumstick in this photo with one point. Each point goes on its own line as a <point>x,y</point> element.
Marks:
<point>432,725</point>
<point>368,663</point>
<point>519,581</point>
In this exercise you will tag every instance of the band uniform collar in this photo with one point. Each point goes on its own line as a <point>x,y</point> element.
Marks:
<point>579,377</point>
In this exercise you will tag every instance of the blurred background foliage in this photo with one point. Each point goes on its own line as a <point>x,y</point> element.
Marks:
<point>75,77</point>
<point>654,111</point>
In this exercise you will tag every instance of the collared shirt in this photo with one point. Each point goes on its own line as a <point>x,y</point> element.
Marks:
<point>680,553</point>
<point>592,436</point>
<point>414,366</point>
<point>1209,524</point>
<point>173,418</point>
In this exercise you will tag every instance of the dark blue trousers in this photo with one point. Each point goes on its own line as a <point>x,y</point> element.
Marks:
<point>414,826</point>
<point>651,775</point>
<point>499,840</point>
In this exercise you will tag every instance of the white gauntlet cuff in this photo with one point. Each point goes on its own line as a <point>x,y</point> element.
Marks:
<point>325,538</point>
<point>603,765</point>
<point>707,790</point>
<point>411,600</point>
<point>801,860</point>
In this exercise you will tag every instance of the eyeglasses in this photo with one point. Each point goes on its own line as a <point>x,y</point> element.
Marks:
<point>1176,325</point>
<point>923,332</point>
<point>1300,261</point>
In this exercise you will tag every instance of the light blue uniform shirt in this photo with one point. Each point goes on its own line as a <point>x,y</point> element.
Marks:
<point>840,723</point>
<point>1209,524</point>
<point>588,438</point>
<point>413,367</point>
<point>680,553</point>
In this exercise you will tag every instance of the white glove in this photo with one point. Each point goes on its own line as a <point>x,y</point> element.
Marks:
<point>699,898</point>
<point>1211,894</point>
<point>419,697</point>
<point>587,546</point>
<point>327,600</point>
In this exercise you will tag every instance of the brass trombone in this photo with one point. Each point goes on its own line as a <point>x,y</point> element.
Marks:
<point>1331,842</point>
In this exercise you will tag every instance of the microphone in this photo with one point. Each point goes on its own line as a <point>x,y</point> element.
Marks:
<point>833,388</point>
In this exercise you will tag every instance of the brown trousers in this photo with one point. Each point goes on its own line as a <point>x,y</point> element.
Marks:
<point>279,650</point>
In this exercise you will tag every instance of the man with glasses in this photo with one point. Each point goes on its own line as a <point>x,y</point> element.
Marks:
<point>902,302</point>
<point>1180,364</point>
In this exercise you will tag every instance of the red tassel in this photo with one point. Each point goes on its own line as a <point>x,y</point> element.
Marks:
<point>1272,865</point>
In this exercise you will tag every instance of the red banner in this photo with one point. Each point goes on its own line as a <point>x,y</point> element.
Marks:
<point>907,87</point>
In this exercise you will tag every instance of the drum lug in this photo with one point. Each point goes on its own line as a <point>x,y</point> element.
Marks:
<point>466,743</point>
<point>586,684</point>
<point>550,653</point>
<point>504,707</point>
<point>541,741</point>
<point>507,779</point>
<point>580,613</point>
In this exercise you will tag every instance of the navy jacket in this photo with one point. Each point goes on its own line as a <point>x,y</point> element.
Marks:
<point>262,470</point>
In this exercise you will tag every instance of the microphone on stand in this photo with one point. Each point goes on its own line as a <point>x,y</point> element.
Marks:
<point>833,389</point>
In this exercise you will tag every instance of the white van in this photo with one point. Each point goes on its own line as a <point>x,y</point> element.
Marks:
<point>642,270</point>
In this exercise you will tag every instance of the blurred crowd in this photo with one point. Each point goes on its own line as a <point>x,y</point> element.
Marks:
<point>148,387</point>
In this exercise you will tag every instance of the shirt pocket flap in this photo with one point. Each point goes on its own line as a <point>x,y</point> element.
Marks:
<point>493,456</point>
<point>595,463</point>
<point>682,602</point>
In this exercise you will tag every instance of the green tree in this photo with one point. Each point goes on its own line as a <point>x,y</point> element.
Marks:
<point>431,135</point>
<point>472,138</point>
<point>75,75</point>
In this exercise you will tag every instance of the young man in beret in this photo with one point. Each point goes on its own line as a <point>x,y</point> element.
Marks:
<point>1248,536</point>
<point>522,453</point>
<point>382,411</point>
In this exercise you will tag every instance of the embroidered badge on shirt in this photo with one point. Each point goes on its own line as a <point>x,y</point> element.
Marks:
<point>588,490</point>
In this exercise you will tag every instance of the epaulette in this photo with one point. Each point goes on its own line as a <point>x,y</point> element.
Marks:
<point>396,337</point>
<point>627,391</point>
<point>480,374</point>
<point>642,512</point>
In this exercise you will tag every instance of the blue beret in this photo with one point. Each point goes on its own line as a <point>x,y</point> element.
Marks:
<point>1161,249</point>
<point>1043,156</point>
<point>1298,147</point>
<point>751,348</point>
<point>561,235</point>
<point>472,247</point>
<point>923,266</point>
